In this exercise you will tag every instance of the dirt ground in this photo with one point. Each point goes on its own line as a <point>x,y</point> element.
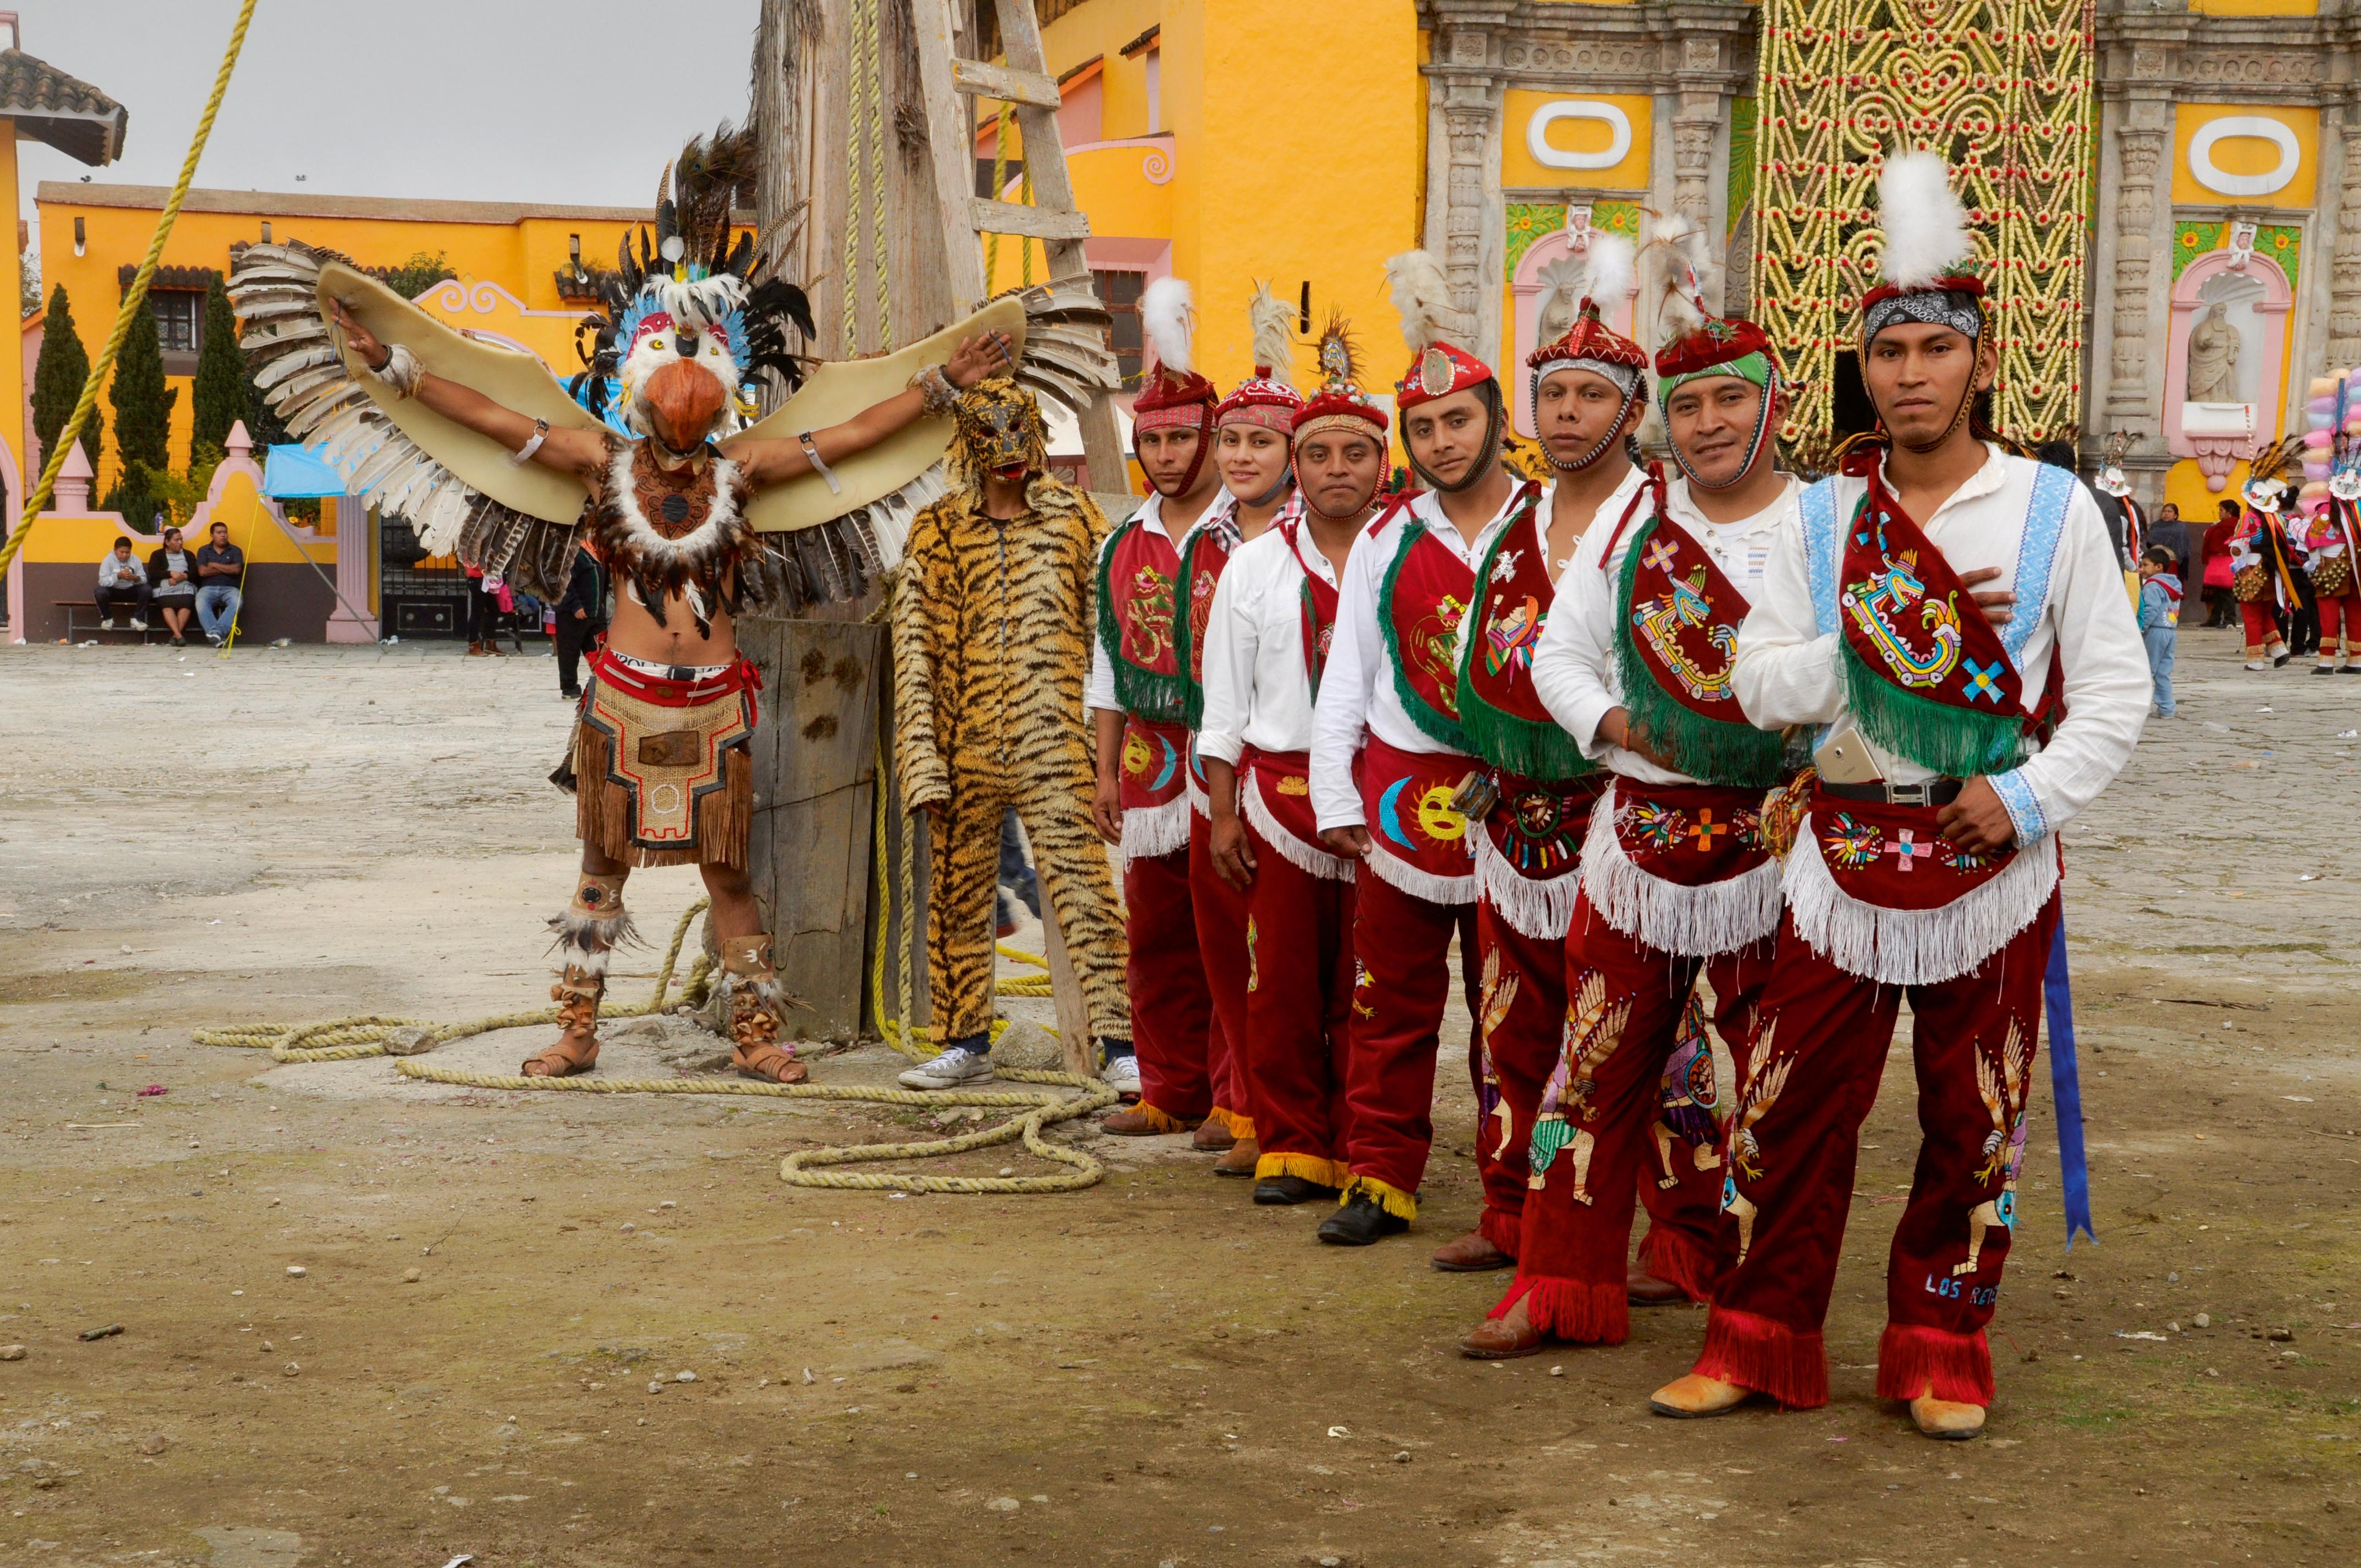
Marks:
<point>502,1295</point>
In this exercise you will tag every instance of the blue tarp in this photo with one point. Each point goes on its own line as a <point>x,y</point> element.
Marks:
<point>295,473</point>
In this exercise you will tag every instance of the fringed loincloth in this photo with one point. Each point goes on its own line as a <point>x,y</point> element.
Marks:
<point>663,770</point>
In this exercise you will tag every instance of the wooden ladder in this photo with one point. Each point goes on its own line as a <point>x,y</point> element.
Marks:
<point>948,80</point>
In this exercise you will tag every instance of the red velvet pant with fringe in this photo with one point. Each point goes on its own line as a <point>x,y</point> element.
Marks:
<point>1572,1268</point>
<point>1402,946</point>
<point>1221,915</point>
<point>1172,1012</point>
<point>1524,980</point>
<point>1791,1192</point>
<point>1299,1003</point>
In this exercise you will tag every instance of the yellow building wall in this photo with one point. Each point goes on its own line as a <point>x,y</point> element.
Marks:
<point>1261,190</point>
<point>2246,155</point>
<point>520,258</point>
<point>84,540</point>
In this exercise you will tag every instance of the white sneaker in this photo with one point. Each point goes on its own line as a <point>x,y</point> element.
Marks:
<point>1121,1074</point>
<point>138,624</point>
<point>956,1068</point>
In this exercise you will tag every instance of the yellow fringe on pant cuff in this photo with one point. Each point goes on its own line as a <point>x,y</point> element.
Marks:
<point>1239,1126</point>
<point>1401,1205</point>
<point>1164,1120</point>
<point>1311,1167</point>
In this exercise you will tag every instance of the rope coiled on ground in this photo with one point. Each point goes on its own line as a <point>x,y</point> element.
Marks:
<point>374,1035</point>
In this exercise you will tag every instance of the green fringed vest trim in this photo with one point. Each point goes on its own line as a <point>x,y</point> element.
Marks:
<point>1537,748</point>
<point>1434,724</point>
<point>1192,691</point>
<point>1711,751</point>
<point>1956,742</point>
<point>1150,694</point>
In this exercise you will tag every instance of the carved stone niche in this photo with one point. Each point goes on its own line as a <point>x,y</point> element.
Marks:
<point>1589,56</point>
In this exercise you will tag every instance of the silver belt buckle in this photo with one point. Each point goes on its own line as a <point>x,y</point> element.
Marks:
<point>1908,795</point>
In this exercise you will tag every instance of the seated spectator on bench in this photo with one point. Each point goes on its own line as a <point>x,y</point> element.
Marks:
<point>220,565</point>
<point>120,581</point>
<point>172,583</point>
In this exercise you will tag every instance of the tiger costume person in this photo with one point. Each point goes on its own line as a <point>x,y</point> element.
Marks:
<point>989,655</point>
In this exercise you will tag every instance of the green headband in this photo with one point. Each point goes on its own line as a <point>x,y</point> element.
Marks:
<point>1754,367</point>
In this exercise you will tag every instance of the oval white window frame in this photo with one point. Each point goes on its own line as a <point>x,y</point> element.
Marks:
<point>2203,169</point>
<point>1548,157</point>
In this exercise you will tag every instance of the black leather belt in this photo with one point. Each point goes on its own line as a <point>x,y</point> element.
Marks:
<point>1934,792</point>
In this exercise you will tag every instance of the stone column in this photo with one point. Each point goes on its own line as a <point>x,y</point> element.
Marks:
<point>349,621</point>
<point>2344,296</point>
<point>1468,121</point>
<point>2139,149</point>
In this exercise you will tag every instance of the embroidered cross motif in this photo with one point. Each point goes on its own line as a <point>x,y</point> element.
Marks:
<point>1907,848</point>
<point>1657,555</point>
<point>1984,680</point>
<point>1706,829</point>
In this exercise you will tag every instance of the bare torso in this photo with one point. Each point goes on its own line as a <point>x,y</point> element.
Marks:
<point>635,631</point>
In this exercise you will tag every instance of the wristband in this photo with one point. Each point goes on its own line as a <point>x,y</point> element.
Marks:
<point>524,455</point>
<point>811,453</point>
<point>936,393</point>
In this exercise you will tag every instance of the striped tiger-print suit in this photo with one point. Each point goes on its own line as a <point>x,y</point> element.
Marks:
<point>991,642</point>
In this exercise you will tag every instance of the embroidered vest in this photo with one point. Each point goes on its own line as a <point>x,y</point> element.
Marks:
<point>1927,676</point>
<point>1677,615</point>
<point>1421,603</point>
<point>1315,603</point>
<point>1203,554</point>
<point>1136,572</point>
<point>1499,712</point>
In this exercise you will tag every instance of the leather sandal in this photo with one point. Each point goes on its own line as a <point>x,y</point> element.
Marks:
<point>1946,1421</point>
<point>1239,1159</point>
<point>1471,1253</point>
<point>1138,1122</point>
<point>764,1059</point>
<point>577,993</point>
<point>1497,1340</point>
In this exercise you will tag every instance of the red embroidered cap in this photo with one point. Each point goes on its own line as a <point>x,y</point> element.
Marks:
<point>1439,370</point>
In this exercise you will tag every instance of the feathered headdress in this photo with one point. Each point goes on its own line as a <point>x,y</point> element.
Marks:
<point>1172,393</point>
<point>1586,342</point>
<point>1339,403</point>
<point>1266,398</point>
<point>2112,478</point>
<point>694,293</point>
<point>2271,474</point>
<point>1421,296</point>
<point>1694,343</point>
<point>1926,252</point>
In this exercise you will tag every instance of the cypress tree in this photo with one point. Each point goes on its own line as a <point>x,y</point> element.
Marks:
<point>218,398</point>
<point>143,421</point>
<point>58,376</point>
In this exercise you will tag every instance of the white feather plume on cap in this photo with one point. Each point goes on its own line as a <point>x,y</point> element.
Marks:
<point>1681,270</point>
<point>1614,266</point>
<point>1167,318</point>
<point>1271,324</point>
<point>1925,228</point>
<point>1421,295</point>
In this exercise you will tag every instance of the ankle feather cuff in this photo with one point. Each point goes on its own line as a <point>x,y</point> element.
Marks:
<point>583,942</point>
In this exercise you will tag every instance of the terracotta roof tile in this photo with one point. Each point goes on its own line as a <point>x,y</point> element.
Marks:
<point>67,112</point>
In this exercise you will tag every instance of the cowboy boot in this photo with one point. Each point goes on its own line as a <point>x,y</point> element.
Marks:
<point>590,929</point>
<point>755,998</point>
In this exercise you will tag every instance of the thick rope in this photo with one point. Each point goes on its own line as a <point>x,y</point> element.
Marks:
<point>852,168</point>
<point>374,1035</point>
<point>135,299</point>
<point>877,84</point>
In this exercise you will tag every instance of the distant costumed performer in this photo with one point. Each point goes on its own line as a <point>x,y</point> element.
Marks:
<point>1388,757</point>
<point>1266,651</point>
<point>652,460</point>
<point>1139,701</point>
<point>1676,883</point>
<point>1963,730</point>
<point>2332,540</point>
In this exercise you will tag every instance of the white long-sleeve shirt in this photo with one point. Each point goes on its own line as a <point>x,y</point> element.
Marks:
<point>1789,671</point>
<point>1098,688</point>
<point>1256,692</point>
<point>1576,664</point>
<point>1355,702</point>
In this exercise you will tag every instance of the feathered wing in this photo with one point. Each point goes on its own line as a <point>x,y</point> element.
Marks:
<point>463,496</point>
<point>506,521</point>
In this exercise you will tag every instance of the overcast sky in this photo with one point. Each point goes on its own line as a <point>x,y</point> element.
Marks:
<point>572,101</point>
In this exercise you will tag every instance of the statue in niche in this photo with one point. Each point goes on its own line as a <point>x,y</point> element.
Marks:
<point>2213,358</point>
